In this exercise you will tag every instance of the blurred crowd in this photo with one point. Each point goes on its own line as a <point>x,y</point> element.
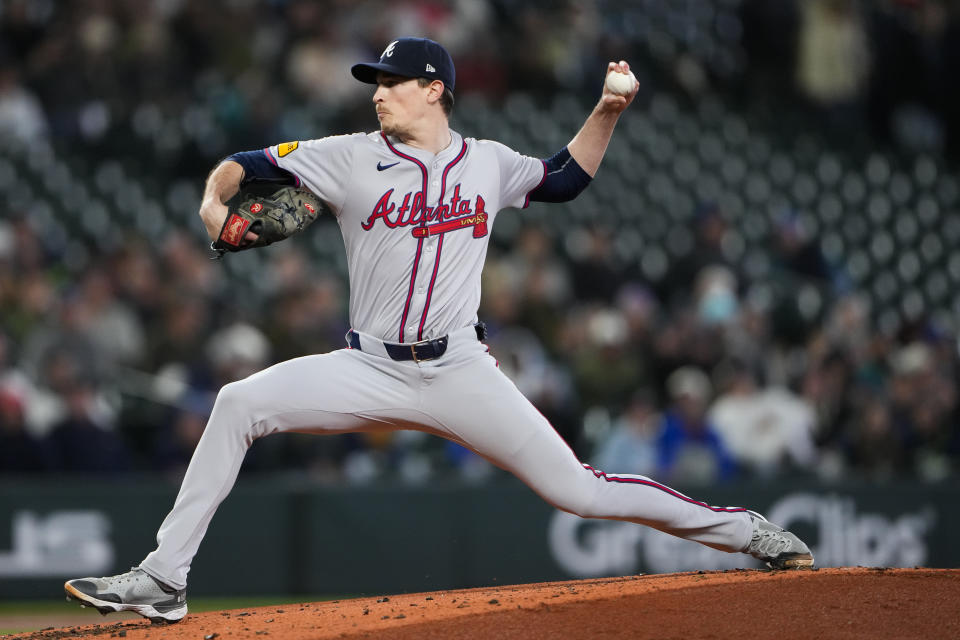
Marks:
<point>699,377</point>
<point>879,72</point>
<point>194,81</point>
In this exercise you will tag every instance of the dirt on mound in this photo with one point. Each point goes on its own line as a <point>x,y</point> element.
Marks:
<point>826,603</point>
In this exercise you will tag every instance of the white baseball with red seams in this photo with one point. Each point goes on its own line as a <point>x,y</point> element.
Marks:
<point>416,226</point>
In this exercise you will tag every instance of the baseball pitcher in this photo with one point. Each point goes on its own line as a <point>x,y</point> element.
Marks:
<point>415,202</point>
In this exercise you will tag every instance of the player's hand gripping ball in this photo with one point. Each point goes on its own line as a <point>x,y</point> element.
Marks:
<point>620,83</point>
<point>272,213</point>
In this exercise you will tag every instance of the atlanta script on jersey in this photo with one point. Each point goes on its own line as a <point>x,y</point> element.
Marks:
<point>415,225</point>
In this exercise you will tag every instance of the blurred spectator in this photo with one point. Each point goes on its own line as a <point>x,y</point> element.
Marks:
<point>185,263</point>
<point>834,62</point>
<point>21,115</point>
<point>847,326</point>
<point>62,339</point>
<point>710,231</point>
<point>175,444</point>
<point>236,352</point>
<point>682,339</point>
<point>874,448</point>
<point>606,369</point>
<point>178,337</point>
<point>768,430</point>
<point>502,286</point>
<point>135,278</point>
<point>689,448</point>
<point>923,409</point>
<point>27,301</point>
<point>715,296</point>
<point>631,445</point>
<point>912,98</point>
<point>308,314</point>
<point>83,442</point>
<point>826,385</point>
<point>545,283</point>
<point>20,452</point>
<point>797,255</point>
<point>110,325</point>
<point>640,309</point>
<point>595,277</point>
<point>316,64</point>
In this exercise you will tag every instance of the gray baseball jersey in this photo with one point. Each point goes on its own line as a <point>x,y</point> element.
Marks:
<point>415,226</point>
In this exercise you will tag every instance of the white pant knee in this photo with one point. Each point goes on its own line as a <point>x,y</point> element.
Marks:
<point>576,494</point>
<point>234,409</point>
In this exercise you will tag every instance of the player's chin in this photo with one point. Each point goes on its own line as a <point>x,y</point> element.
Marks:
<point>391,129</point>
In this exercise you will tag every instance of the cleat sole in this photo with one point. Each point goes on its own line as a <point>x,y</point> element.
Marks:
<point>797,562</point>
<point>105,607</point>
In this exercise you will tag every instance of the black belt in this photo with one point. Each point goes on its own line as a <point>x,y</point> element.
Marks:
<point>416,351</point>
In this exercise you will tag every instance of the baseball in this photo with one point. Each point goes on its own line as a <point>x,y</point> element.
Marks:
<point>620,83</point>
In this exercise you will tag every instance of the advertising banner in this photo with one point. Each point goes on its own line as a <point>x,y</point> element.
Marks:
<point>275,537</point>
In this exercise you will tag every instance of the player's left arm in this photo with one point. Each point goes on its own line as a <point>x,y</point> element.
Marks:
<point>570,170</point>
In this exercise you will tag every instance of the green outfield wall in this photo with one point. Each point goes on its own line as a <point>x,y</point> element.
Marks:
<point>278,536</point>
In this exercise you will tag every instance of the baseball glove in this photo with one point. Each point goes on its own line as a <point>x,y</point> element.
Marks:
<point>274,214</point>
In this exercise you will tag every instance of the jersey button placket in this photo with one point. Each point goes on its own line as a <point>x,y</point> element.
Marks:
<point>426,266</point>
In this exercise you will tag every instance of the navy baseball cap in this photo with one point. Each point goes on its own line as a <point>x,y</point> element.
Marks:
<point>411,58</point>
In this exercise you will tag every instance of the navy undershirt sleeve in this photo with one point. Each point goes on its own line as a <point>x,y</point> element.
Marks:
<point>564,181</point>
<point>257,167</point>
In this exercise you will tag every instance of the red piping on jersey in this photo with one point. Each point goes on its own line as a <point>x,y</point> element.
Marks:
<point>433,279</point>
<point>526,200</point>
<point>436,263</point>
<point>650,483</point>
<point>273,160</point>
<point>416,259</point>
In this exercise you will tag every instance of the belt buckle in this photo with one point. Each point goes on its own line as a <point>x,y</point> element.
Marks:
<point>422,343</point>
<point>413,351</point>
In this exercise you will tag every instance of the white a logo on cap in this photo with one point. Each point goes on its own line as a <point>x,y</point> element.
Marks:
<point>430,68</point>
<point>389,50</point>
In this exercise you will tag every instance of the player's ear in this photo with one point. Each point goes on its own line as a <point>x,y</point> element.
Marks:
<point>435,91</point>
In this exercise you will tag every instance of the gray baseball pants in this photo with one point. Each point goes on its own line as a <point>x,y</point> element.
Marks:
<point>462,396</point>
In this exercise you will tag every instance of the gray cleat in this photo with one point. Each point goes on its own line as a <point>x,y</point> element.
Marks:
<point>132,591</point>
<point>776,546</point>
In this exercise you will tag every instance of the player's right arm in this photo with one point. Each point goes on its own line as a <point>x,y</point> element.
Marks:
<point>227,178</point>
<point>222,183</point>
<point>322,165</point>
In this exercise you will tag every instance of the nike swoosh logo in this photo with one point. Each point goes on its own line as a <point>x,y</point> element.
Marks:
<point>381,166</point>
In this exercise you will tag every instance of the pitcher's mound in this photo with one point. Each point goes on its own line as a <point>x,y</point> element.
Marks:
<point>826,603</point>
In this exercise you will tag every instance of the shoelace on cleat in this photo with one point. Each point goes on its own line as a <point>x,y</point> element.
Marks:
<point>129,575</point>
<point>769,542</point>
